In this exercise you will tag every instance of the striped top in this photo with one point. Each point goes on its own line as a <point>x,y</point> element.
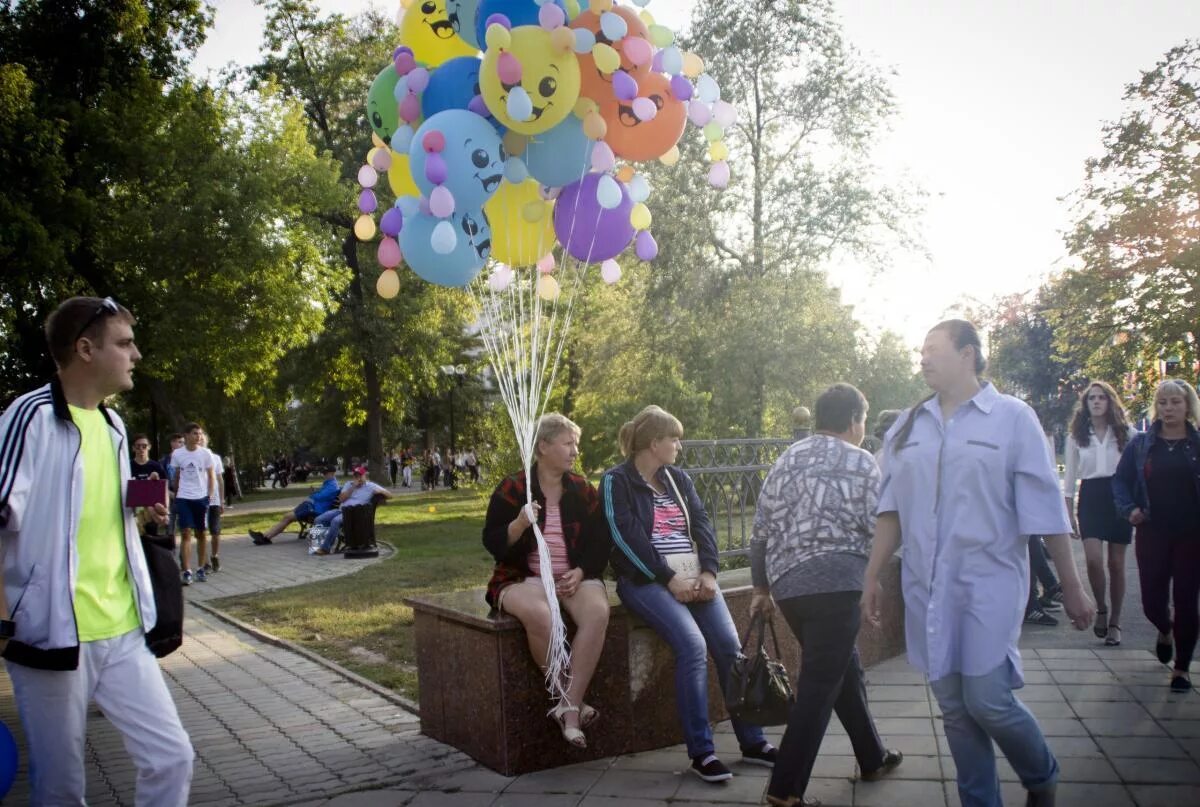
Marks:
<point>553,533</point>
<point>669,536</point>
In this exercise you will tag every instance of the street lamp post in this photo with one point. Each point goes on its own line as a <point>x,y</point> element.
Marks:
<point>457,372</point>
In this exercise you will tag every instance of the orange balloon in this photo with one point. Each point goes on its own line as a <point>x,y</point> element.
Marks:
<point>593,83</point>
<point>635,139</point>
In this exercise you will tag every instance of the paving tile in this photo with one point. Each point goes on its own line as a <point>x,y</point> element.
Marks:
<point>625,801</point>
<point>1142,747</point>
<point>899,793</point>
<point>534,800</point>
<point>1123,728</point>
<point>904,692</point>
<point>1097,692</point>
<point>904,725</point>
<point>915,767</point>
<point>1161,771</point>
<point>738,790</point>
<point>637,784</point>
<point>1090,794</point>
<point>832,792</point>
<point>1112,710</point>
<point>435,799</point>
<point>1189,729</point>
<point>1086,769</point>
<point>374,798</point>
<point>919,708</point>
<point>569,779</point>
<point>1074,746</point>
<point>1060,727</point>
<point>1165,795</point>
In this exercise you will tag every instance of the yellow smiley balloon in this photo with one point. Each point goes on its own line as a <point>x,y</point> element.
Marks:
<point>427,30</point>
<point>549,75</point>
<point>400,176</point>
<point>516,240</point>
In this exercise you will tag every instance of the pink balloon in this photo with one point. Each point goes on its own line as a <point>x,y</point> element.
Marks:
<point>367,177</point>
<point>636,49</point>
<point>441,202</point>
<point>724,113</point>
<point>551,16</point>
<point>546,263</point>
<point>509,68</point>
<point>644,109</point>
<point>603,158</point>
<point>410,108</point>
<point>718,174</point>
<point>418,80</point>
<point>382,160</point>
<point>403,60</point>
<point>699,113</point>
<point>389,253</point>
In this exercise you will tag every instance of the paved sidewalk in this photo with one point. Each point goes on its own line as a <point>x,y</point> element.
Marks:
<point>270,726</point>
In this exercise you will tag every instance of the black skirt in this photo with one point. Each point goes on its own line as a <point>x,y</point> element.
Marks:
<point>1098,514</point>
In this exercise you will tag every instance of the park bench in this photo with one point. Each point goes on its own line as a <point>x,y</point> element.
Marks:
<point>481,692</point>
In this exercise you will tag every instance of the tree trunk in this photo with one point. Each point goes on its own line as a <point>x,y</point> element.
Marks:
<point>376,462</point>
<point>574,379</point>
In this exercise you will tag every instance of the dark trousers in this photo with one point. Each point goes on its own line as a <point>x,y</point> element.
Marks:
<point>830,680</point>
<point>1039,571</point>
<point>1170,565</point>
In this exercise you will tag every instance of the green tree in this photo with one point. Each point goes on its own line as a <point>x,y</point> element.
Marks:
<point>375,358</point>
<point>1137,292</point>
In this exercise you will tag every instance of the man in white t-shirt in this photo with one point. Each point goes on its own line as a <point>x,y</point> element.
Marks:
<point>195,485</point>
<point>216,507</point>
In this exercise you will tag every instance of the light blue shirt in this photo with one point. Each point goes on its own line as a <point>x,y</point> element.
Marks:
<point>968,492</point>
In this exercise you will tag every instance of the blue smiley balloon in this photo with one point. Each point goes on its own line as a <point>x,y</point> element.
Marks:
<point>473,154</point>
<point>459,267</point>
<point>461,14</point>
<point>519,12</point>
<point>453,85</point>
<point>561,155</point>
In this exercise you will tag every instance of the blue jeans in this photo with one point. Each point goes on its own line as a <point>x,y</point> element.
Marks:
<point>692,631</point>
<point>333,520</point>
<point>978,709</point>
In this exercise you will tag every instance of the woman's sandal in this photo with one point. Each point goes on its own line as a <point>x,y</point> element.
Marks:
<point>1101,626</point>
<point>574,737</point>
<point>1113,638</point>
<point>588,715</point>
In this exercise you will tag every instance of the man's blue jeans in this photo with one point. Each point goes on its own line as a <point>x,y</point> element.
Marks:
<point>332,519</point>
<point>978,709</point>
<point>692,631</point>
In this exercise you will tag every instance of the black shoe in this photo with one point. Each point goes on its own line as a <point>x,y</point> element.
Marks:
<point>1039,617</point>
<point>710,769</point>
<point>216,563</point>
<point>763,755</point>
<point>1180,683</point>
<point>1040,798</point>
<point>1049,604</point>
<point>891,760</point>
<point>1165,651</point>
<point>258,538</point>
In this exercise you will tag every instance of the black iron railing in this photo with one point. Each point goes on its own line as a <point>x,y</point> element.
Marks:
<point>728,475</point>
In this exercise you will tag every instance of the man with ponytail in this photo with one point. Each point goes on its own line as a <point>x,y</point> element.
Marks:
<point>966,481</point>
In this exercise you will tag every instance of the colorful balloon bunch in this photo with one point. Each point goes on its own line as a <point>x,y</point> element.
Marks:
<point>533,146</point>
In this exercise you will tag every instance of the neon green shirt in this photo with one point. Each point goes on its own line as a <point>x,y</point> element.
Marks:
<point>104,602</point>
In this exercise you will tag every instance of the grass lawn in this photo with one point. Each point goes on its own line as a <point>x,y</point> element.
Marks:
<point>359,620</point>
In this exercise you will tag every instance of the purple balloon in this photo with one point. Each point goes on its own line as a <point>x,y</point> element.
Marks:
<point>656,62</point>
<point>435,168</point>
<point>366,201</point>
<point>645,246</point>
<point>625,86</point>
<point>681,88</point>
<point>392,222</point>
<point>588,232</point>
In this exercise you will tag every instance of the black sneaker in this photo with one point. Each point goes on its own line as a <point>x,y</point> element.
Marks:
<point>1048,603</point>
<point>1039,617</point>
<point>710,769</point>
<point>763,755</point>
<point>258,538</point>
<point>891,760</point>
<point>216,564</point>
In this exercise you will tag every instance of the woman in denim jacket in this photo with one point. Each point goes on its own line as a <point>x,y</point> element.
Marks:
<point>666,567</point>
<point>1157,487</point>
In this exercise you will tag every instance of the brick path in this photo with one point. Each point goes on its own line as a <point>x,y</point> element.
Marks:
<point>273,727</point>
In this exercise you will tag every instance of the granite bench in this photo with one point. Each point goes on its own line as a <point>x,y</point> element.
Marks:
<point>481,692</point>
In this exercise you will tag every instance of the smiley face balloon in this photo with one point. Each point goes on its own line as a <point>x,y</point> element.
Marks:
<point>473,155</point>
<point>427,30</point>
<point>381,103</point>
<point>461,14</point>
<point>549,75</point>
<point>635,139</point>
<point>594,83</point>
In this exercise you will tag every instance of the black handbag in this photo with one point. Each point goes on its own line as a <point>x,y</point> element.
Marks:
<point>167,634</point>
<point>758,691</point>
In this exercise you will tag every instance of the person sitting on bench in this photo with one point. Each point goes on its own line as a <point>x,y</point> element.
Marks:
<point>324,500</point>
<point>356,493</point>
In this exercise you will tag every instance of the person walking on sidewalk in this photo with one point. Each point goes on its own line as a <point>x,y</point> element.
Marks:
<point>1098,434</point>
<point>216,506</point>
<point>194,488</point>
<point>966,480</point>
<point>1157,489</point>
<point>812,534</point>
<point>75,575</point>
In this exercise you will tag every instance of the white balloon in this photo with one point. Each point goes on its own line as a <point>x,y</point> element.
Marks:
<point>443,240</point>
<point>610,271</point>
<point>639,188</point>
<point>608,192</point>
<point>520,105</point>
<point>672,60</point>
<point>500,278</point>
<point>725,114</point>
<point>707,89</point>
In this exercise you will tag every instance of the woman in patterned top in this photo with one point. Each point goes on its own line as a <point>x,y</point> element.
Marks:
<point>667,574</point>
<point>812,538</point>
<point>568,514</point>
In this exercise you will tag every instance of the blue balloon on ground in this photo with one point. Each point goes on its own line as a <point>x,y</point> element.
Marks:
<point>519,12</point>
<point>561,155</point>
<point>460,266</point>
<point>461,14</point>
<point>473,153</point>
<point>9,759</point>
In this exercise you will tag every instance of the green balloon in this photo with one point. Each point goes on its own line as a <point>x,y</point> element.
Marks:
<point>381,103</point>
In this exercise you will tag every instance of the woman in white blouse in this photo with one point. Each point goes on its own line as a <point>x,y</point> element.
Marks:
<point>1098,433</point>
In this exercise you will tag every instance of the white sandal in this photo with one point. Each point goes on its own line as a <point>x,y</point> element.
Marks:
<point>588,715</point>
<point>574,737</point>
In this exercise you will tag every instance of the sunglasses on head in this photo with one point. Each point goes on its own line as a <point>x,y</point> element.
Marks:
<point>108,306</point>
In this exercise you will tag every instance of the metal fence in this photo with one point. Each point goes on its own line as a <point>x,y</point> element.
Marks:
<point>728,475</point>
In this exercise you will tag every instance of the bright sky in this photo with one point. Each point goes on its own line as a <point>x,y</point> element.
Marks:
<point>1000,104</point>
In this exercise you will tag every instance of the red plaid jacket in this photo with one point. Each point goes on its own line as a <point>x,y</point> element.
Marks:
<point>587,540</point>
